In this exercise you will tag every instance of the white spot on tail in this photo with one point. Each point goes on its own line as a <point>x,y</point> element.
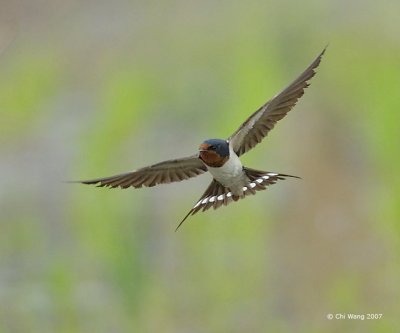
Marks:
<point>265,177</point>
<point>212,199</point>
<point>259,180</point>
<point>244,188</point>
<point>252,185</point>
<point>220,197</point>
<point>272,174</point>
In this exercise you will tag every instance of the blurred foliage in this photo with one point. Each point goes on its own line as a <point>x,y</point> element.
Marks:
<point>94,88</point>
<point>28,83</point>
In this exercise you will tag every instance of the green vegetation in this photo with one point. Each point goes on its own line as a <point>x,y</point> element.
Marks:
<point>90,90</point>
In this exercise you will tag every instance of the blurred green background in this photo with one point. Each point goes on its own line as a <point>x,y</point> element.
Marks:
<point>94,88</point>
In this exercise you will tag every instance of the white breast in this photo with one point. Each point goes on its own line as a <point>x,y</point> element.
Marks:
<point>231,173</point>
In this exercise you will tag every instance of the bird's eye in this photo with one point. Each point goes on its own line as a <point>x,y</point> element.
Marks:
<point>212,147</point>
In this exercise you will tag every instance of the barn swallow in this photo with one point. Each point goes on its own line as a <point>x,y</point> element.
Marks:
<point>231,180</point>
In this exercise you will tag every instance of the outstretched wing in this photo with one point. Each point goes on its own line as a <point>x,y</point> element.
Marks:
<point>217,195</point>
<point>160,173</point>
<point>257,126</point>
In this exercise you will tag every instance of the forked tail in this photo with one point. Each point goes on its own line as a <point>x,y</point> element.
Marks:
<point>217,195</point>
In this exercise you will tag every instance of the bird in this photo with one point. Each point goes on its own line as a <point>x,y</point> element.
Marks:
<point>231,180</point>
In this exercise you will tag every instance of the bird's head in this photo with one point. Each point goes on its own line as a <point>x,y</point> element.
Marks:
<point>214,152</point>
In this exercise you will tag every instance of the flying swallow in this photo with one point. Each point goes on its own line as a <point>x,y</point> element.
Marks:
<point>231,180</point>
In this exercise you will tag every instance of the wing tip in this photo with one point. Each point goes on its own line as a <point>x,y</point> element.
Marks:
<point>317,60</point>
<point>86,182</point>
<point>324,49</point>
<point>96,182</point>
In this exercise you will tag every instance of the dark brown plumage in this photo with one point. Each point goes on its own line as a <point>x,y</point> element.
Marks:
<point>258,125</point>
<point>161,173</point>
<point>222,156</point>
<point>216,195</point>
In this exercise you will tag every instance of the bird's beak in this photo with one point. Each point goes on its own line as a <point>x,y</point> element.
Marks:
<point>204,147</point>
